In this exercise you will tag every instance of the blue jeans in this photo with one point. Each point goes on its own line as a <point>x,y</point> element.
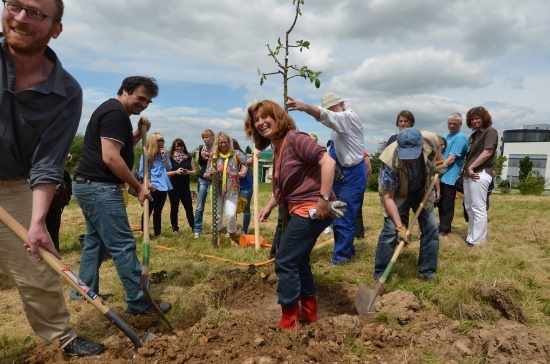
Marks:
<point>292,259</point>
<point>429,241</point>
<point>204,186</point>
<point>108,229</point>
<point>349,190</point>
<point>246,213</point>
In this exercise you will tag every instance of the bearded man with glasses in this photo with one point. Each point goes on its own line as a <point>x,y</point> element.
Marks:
<point>40,105</point>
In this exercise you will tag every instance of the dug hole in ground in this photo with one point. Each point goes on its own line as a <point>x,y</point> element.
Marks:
<point>249,333</point>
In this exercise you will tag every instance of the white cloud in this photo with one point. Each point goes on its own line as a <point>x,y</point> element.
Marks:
<point>238,112</point>
<point>416,71</point>
<point>429,56</point>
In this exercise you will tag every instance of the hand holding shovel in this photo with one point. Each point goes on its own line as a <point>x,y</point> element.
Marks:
<point>72,279</point>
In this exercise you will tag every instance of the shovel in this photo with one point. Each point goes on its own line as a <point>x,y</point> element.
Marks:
<point>72,279</point>
<point>366,298</point>
<point>144,279</point>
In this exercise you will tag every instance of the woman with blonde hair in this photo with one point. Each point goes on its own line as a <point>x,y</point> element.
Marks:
<point>159,165</point>
<point>224,164</point>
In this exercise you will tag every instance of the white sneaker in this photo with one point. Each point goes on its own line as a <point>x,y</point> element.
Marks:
<point>197,235</point>
<point>175,232</point>
<point>328,230</point>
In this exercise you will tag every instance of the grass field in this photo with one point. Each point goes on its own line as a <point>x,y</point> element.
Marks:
<point>516,260</point>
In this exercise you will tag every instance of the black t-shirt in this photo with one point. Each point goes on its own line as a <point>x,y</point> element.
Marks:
<point>184,179</point>
<point>110,121</point>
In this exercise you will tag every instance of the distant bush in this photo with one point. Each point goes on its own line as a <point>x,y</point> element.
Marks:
<point>504,186</point>
<point>533,184</point>
<point>372,182</point>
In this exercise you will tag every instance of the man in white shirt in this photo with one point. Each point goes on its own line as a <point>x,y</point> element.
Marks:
<point>346,148</point>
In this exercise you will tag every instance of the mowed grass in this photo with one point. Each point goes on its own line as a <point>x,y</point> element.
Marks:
<point>515,260</point>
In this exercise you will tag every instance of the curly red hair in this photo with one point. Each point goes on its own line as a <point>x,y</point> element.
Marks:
<point>283,122</point>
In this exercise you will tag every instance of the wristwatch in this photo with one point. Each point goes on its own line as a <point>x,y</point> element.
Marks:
<point>324,197</point>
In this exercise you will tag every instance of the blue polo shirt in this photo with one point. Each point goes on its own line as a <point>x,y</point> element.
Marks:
<point>457,145</point>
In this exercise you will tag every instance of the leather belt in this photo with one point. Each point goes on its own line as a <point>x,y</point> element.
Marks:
<point>80,180</point>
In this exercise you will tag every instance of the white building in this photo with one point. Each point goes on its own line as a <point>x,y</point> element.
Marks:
<point>532,141</point>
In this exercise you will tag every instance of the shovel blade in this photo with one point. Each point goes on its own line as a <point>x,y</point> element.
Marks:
<point>148,336</point>
<point>366,299</point>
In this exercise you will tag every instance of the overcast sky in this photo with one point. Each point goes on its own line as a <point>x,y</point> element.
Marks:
<point>431,57</point>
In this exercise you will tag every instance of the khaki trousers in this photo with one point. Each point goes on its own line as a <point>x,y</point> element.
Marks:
<point>38,285</point>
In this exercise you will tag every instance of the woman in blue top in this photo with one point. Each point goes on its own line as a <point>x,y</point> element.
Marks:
<point>245,182</point>
<point>159,165</point>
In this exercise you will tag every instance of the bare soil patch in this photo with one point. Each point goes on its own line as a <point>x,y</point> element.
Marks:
<point>401,332</point>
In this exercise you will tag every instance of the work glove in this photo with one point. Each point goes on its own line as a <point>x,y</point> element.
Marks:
<point>402,234</point>
<point>440,167</point>
<point>337,209</point>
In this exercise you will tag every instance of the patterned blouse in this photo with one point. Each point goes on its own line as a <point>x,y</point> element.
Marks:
<point>232,174</point>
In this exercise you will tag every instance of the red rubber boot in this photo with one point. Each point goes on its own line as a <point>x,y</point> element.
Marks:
<point>289,318</point>
<point>308,312</point>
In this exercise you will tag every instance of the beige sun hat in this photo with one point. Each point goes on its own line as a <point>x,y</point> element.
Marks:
<point>330,99</point>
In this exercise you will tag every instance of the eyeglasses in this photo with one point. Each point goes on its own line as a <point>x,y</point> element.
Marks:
<point>160,140</point>
<point>179,146</point>
<point>15,8</point>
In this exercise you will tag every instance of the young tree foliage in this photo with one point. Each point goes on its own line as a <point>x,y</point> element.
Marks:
<point>287,70</point>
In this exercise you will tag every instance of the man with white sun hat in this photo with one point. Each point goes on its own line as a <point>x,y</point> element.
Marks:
<point>346,147</point>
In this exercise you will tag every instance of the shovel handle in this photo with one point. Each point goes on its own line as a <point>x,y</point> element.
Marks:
<point>145,263</point>
<point>401,244</point>
<point>144,278</point>
<point>71,278</point>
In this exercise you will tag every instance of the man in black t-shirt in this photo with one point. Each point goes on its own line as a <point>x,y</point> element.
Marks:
<point>106,162</point>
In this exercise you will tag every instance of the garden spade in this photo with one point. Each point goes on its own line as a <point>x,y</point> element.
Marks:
<point>366,298</point>
<point>74,281</point>
<point>144,279</point>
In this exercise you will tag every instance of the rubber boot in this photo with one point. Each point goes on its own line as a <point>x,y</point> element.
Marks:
<point>289,318</point>
<point>308,312</point>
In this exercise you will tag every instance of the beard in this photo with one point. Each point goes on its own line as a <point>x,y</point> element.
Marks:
<point>31,44</point>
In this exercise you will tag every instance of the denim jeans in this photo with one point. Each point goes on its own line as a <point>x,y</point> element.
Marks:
<point>429,241</point>
<point>349,190</point>
<point>292,259</point>
<point>108,229</point>
<point>246,213</point>
<point>204,186</point>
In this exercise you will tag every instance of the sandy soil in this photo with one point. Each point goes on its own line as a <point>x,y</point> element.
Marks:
<point>401,332</point>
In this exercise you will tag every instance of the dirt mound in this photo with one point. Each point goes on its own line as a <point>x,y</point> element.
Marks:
<point>244,330</point>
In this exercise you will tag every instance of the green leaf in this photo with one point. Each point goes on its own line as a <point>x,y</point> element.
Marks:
<point>261,81</point>
<point>317,83</point>
<point>259,72</point>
